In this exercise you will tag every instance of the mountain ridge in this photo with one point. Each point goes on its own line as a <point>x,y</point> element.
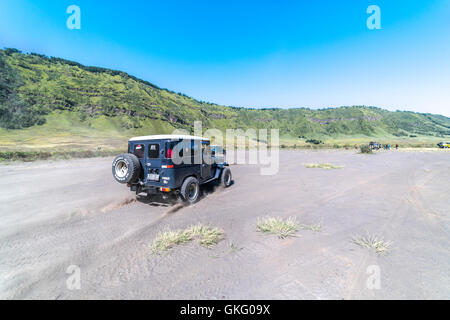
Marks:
<point>34,86</point>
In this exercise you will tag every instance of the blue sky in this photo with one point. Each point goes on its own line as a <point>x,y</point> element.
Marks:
<point>255,53</point>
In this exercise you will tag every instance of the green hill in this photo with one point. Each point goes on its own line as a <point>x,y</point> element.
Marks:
<point>48,102</point>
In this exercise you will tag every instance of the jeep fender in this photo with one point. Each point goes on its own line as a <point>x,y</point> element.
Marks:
<point>219,169</point>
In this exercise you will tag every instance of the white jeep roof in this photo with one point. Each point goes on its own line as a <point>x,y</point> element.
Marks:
<point>168,136</point>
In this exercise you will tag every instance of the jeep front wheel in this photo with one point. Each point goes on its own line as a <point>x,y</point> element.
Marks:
<point>126,168</point>
<point>190,190</point>
<point>225,177</point>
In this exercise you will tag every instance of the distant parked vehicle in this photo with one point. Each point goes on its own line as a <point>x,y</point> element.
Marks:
<point>170,163</point>
<point>375,145</point>
<point>444,144</point>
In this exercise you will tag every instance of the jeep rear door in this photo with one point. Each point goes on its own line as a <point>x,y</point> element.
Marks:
<point>153,158</point>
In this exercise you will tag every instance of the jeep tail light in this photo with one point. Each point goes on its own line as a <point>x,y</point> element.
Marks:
<point>165,189</point>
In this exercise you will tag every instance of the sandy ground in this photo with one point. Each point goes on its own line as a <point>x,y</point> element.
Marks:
<point>60,213</point>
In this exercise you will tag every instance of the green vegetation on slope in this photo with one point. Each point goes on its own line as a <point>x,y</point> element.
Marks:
<point>52,102</point>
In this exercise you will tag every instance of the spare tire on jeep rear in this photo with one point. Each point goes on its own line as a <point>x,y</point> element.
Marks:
<point>126,168</point>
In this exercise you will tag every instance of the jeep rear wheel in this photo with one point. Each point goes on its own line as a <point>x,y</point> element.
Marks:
<point>190,190</point>
<point>126,168</point>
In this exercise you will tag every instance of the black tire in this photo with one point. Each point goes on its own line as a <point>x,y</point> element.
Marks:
<point>126,168</point>
<point>190,190</point>
<point>225,177</point>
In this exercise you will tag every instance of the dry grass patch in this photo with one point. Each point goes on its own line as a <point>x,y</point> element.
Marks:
<point>281,227</point>
<point>312,227</point>
<point>365,149</point>
<point>379,245</point>
<point>326,166</point>
<point>206,236</point>
<point>233,247</point>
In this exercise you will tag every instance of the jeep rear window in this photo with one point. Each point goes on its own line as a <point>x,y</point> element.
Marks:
<point>139,150</point>
<point>153,151</point>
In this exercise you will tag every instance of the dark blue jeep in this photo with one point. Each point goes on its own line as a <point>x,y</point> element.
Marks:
<point>170,163</point>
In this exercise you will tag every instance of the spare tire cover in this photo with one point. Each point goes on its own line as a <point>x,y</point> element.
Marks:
<point>126,168</point>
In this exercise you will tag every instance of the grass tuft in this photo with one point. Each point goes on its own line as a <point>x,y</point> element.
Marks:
<point>206,236</point>
<point>281,227</point>
<point>312,227</point>
<point>233,247</point>
<point>379,245</point>
<point>326,166</point>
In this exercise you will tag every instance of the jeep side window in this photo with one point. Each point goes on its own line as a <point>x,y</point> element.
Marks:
<point>206,152</point>
<point>184,147</point>
<point>169,149</point>
<point>196,155</point>
<point>170,146</point>
<point>139,150</point>
<point>153,151</point>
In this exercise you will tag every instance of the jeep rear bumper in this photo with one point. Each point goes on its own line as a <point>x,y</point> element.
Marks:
<point>151,189</point>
